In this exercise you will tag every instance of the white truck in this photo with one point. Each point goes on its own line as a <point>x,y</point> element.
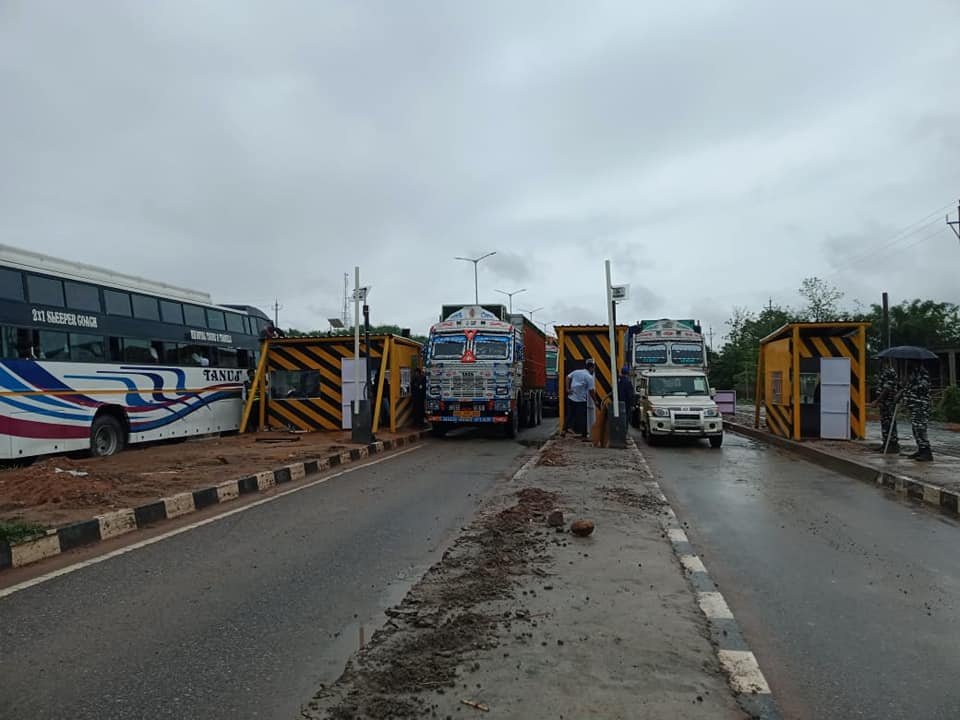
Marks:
<point>677,402</point>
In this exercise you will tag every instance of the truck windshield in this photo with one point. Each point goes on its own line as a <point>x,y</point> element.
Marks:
<point>551,361</point>
<point>491,347</point>
<point>686,353</point>
<point>650,354</point>
<point>679,385</point>
<point>448,347</point>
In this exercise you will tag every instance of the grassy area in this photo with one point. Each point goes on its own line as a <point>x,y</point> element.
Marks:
<point>15,531</point>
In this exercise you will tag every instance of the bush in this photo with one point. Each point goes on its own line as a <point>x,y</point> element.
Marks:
<point>15,531</point>
<point>949,408</point>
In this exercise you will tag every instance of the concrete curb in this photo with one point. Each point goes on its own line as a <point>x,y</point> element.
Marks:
<point>120,522</point>
<point>935,495</point>
<point>743,672</point>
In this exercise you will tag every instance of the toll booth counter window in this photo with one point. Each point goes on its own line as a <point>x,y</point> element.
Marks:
<point>686,353</point>
<point>405,375</point>
<point>491,347</point>
<point>679,385</point>
<point>809,385</point>
<point>650,354</point>
<point>448,347</point>
<point>294,384</point>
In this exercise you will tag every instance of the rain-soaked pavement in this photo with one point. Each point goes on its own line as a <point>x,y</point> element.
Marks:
<point>849,596</point>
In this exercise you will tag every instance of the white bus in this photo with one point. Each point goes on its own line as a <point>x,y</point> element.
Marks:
<point>94,360</point>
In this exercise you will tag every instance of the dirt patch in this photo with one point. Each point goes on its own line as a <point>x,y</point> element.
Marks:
<point>441,622</point>
<point>631,498</point>
<point>553,457</point>
<point>60,489</point>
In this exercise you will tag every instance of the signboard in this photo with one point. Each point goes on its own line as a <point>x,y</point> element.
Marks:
<point>726,401</point>
<point>66,319</point>
<point>620,293</point>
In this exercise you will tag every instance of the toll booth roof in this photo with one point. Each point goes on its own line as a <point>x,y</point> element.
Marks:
<point>814,329</point>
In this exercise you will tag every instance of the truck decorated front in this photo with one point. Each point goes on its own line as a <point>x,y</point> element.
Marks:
<point>667,343</point>
<point>479,370</point>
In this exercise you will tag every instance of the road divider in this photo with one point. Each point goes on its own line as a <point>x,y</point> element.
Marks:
<point>126,520</point>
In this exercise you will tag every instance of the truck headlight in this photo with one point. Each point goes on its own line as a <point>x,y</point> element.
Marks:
<point>434,390</point>
<point>502,391</point>
<point>661,412</point>
<point>710,412</point>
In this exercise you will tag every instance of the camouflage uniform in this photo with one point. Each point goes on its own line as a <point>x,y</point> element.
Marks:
<point>887,382</point>
<point>917,397</point>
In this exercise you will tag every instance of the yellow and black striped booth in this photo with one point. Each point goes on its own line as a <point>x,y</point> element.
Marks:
<point>577,343</point>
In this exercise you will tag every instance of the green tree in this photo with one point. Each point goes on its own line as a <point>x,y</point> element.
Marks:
<point>822,300</point>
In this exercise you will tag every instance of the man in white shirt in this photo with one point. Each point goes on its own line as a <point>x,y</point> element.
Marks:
<point>580,386</point>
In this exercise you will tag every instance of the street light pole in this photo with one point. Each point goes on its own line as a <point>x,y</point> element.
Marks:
<point>510,296</point>
<point>531,312</point>
<point>476,261</point>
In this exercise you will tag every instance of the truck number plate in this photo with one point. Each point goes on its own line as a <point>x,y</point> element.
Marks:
<point>467,413</point>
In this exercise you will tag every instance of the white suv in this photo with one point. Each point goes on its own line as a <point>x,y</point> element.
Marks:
<point>678,403</point>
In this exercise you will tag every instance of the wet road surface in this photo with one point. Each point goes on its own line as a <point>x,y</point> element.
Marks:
<point>849,597</point>
<point>246,616</point>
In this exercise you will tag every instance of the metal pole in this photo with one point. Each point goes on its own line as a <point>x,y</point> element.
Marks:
<point>476,291</point>
<point>356,338</point>
<point>886,320</point>
<point>613,347</point>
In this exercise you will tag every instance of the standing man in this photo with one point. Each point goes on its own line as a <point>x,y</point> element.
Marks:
<point>579,385</point>
<point>419,390</point>
<point>917,396</point>
<point>887,391</point>
<point>625,390</point>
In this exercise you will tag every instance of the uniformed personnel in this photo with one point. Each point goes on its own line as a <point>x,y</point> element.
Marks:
<point>887,389</point>
<point>917,397</point>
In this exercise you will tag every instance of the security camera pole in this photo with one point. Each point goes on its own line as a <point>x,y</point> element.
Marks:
<point>613,346</point>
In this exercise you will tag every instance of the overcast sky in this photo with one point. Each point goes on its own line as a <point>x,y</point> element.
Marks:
<point>716,152</point>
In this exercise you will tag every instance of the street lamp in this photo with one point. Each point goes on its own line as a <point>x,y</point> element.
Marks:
<point>510,296</point>
<point>531,312</point>
<point>476,261</point>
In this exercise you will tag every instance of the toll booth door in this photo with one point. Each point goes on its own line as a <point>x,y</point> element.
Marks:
<point>348,382</point>
<point>835,398</point>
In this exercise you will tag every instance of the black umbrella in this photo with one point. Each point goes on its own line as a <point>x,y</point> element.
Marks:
<point>907,352</point>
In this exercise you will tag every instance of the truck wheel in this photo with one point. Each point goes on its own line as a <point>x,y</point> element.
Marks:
<point>512,428</point>
<point>438,430</point>
<point>539,409</point>
<point>716,442</point>
<point>106,436</point>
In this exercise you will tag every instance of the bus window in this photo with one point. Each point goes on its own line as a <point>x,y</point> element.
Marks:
<point>45,291</point>
<point>171,353</point>
<point>171,312</point>
<point>136,350</point>
<point>235,323</point>
<point>87,348</point>
<point>244,359</point>
<point>194,355</point>
<point>194,316</point>
<point>145,308</point>
<point>9,348</point>
<point>215,320</point>
<point>52,345</point>
<point>82,297</point>
<point>117,303</point>
<point>11,285</point>
<point>227,357</point>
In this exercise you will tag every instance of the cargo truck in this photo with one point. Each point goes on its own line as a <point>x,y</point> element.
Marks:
<point>551,395</point>
<point>484,366</point>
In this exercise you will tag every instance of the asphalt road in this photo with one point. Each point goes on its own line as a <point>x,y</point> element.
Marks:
<point>243,617</point>
<point>847,595</point>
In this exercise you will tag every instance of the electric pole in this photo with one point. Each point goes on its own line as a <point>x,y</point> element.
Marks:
<point>345,316</point>
<point>277,307</point>
<point>955,224</point>
<point>710,335</point>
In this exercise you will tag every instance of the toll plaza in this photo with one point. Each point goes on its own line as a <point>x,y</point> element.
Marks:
<point>308,383</point>
<point>576,343</point>
<point>811,381</point>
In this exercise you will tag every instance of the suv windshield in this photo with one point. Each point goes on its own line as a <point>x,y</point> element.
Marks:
<point>679,385</point>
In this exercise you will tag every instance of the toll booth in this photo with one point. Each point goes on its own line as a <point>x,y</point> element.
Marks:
<point>308,383</point>
<point>811,381</point>
<point>576,343</point>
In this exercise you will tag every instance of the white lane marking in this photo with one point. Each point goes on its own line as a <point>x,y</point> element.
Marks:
<point>692,563</point>
<point>745,675</point>
<point>677,535</point>
<point>525,468</point>
<point>4,592</point>
<point>714,606</point>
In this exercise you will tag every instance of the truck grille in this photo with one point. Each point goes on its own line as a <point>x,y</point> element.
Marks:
<point>466,387</point>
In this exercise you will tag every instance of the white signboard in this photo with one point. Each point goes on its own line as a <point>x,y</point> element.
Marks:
<point>620,293</point>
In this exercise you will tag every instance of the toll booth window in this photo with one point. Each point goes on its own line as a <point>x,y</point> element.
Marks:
<point>650,354</point>
<point>491,347</point>
<point>449,348</point>
<point>686,353</point>
<point>809,382</point>
<point>776,387</point>
<point>294,384</point>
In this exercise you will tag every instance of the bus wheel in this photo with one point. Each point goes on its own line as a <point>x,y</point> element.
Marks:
<point>106,436</point>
